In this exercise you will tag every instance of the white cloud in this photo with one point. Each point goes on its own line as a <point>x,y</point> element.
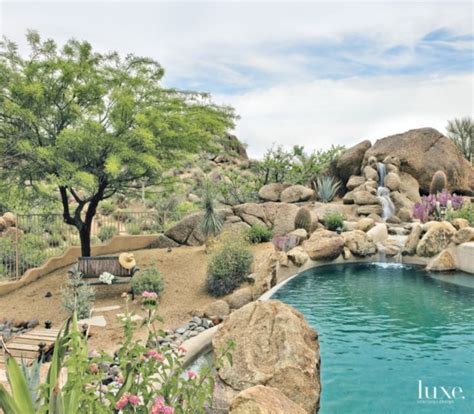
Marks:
<point>324,112</point>
<point>204,43</point>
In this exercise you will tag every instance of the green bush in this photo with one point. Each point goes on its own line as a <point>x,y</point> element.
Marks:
<point>107,207</point>
<point>259,234</point>
<point>333,220</point>
<point>228,266</point>
<point>149,280</point>
<point>106,233</point>
<point>465,212</point>
<point>77,296</point>
<point>133,228</point>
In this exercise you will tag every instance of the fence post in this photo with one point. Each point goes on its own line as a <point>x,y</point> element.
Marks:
<point>17,249</point>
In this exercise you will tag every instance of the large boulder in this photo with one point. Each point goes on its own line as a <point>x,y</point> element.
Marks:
<point>359,243</point>
<point>392,181</point>
<point>297,256</point>
<point>464,235</point>
<point>281,217</point>
<point>363,198</point>
<point>367,210</point>
<point>217,310</point>
<point>263,400</point>
<point>324,245</point>
<point>436,239</point>
<point>296,193</point>
<point>271,192</point>
<point>378,233</point>
<point>252,214</point>
<point>410,187</point>
<point>442,262</point>
<point>162,242</point>
<point>424,151</point>
<point>321,209</point>
<point>370,173</point>
<point>354,182</point>
<point>274,346</point>
<point>412,240</point>
<point>240,298</point>
<point>401,201</point>
<point>364,224</point>
<point>350,161</point>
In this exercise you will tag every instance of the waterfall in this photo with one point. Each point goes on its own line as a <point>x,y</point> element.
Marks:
<point>383,193</point>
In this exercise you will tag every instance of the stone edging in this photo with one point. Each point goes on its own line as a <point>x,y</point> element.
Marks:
<point>69,257</point>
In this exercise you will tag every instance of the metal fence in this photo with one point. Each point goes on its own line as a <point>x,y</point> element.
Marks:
<point>36,237</point>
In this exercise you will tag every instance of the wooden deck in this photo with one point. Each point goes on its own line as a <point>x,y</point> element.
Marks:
<point>27,346</point>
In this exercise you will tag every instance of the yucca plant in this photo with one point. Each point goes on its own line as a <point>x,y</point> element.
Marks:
<point>326,187</point>
<point>211,223</point>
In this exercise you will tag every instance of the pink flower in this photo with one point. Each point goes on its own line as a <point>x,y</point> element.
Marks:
<point>191,375</point>
<point>93,368</point>
<point>149,295</point>
<point>182,349</point>
<point>122,402</point>
<point>156,355</point>
<point>134,400</point>
<point>159,407</point>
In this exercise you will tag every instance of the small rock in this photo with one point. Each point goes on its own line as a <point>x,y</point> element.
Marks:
<point>48,295</point>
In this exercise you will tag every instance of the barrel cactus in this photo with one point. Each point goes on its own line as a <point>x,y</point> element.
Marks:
<point>439,182</point>
<point>303,219</point>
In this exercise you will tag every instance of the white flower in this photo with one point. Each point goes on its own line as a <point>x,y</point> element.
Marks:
<point>106,278</point>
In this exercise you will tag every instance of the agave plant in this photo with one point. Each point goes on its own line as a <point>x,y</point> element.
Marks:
<point>326,187</point>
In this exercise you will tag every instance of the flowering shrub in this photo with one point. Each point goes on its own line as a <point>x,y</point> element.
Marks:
<point>148,377</point>
<point>435,207</point>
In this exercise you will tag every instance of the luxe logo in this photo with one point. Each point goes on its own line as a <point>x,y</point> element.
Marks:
<point>440,393</point>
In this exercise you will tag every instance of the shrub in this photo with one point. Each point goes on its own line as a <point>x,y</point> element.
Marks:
<point>259,234</point>
<point>133,228</point>
<point>78,296</point>
<point>228,266</point>
<point>140,368</point>
<point>121,215</point>
<point>333,220</point>
<point>465,212</point>
<point>107,232</point>
<point>439,182</point>
<point>326,187</point>
<point>303,219</point>
<point>107,207</point>
<point>55,240</point>
<point>433,206</point>
<point>149,280</point>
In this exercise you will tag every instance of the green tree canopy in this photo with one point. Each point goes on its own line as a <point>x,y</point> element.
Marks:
<point>94,124</point>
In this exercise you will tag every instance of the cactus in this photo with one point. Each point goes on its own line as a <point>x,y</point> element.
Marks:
<point>439,182</point>
<point>303,219</point>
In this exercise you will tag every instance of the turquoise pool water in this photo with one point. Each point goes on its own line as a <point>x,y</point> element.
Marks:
<point>382,329</point>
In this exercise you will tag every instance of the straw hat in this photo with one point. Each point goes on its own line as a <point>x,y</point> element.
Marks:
<point>127,261</point>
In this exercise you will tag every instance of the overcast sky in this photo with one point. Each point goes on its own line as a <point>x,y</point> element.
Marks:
<point>308,73</point>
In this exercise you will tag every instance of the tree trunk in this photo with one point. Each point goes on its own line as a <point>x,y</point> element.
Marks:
<point>85,235</point>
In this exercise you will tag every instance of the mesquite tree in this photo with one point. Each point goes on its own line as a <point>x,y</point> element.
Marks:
<point>94,124</point>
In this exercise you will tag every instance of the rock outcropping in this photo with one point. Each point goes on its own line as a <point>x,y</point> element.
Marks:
<point>275,347</point>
